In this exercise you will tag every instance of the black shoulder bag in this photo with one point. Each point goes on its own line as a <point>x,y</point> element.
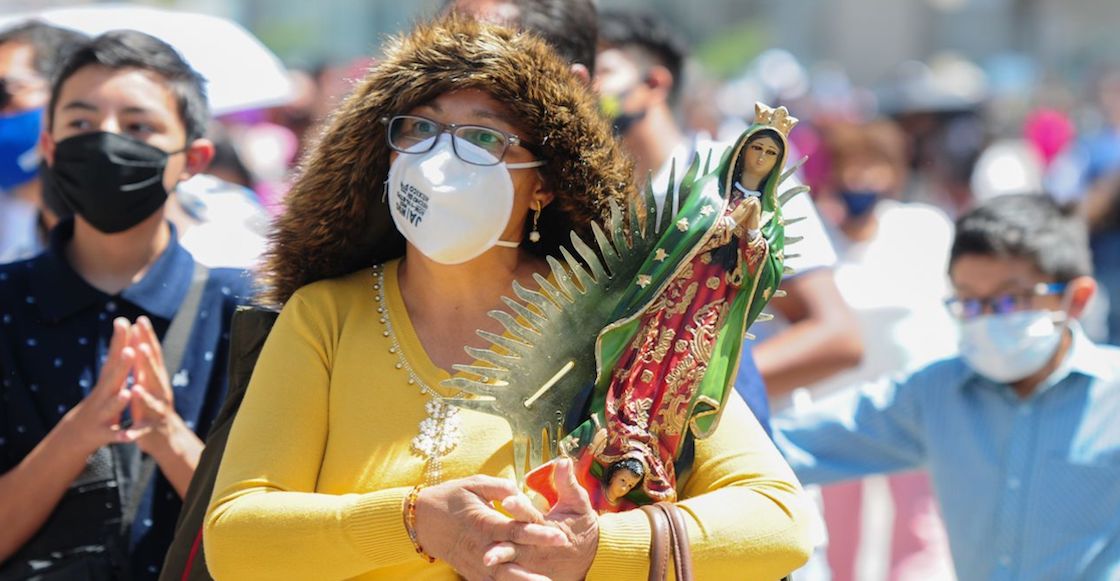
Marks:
<point>87,536</point>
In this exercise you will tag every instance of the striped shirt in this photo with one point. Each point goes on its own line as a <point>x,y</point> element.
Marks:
<point>1029,488</point>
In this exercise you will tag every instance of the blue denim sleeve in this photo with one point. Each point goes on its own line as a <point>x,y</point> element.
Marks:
<point>751,387</point>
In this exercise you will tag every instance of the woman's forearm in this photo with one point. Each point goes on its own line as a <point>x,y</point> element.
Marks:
<point>746,513</point>
<point>734,533</point>
<point>264,533</point>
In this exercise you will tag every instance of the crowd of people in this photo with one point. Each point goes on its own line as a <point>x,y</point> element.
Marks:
<point>930,400</point>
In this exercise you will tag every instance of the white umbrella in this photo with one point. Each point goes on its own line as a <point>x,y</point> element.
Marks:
<point>241,73</point>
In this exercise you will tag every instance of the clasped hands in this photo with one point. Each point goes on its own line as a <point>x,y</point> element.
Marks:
<point>157,429</point>
<point>457,522</point>
<point>746,218</point>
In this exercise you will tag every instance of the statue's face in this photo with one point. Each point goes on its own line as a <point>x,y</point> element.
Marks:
<point>759,157</point>
<point>622,482</point>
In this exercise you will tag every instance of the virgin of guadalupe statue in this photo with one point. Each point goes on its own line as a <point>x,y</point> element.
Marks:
<point>667,350</point>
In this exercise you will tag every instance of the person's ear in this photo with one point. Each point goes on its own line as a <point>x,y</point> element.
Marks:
<point>46,147</point>
<point>582,73</point>
<point>1080,291</point>
<point>199,155</point>
<point>543,194</point>
<point>660,81</point>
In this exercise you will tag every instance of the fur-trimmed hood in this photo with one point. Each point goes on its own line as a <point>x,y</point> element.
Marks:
<point>336,220</point>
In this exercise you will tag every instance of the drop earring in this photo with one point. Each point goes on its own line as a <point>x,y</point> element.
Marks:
<point>385,191</point>
<point>534,234</point>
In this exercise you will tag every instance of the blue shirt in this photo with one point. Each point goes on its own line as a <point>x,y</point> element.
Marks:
<point>54,334</point>
<point>752,388</point>
<point>1029,488</point>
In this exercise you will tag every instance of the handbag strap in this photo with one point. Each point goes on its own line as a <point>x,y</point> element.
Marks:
<point>173,345</point>
<point>659,543</point>
<point>669,538</point>
<point>682,550</point>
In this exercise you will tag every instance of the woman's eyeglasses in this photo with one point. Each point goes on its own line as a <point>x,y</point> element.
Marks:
<point>413,134</point>
<point>1002,304</point>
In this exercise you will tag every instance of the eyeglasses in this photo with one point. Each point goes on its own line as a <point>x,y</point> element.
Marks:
<point>1002,304</point>
<point>413,134</point>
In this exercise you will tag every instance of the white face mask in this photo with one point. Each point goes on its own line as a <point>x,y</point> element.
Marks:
<point>449,209</point>
<point>1007,348</point>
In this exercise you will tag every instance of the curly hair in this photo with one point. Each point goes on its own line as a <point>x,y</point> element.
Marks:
<point>336,220</point>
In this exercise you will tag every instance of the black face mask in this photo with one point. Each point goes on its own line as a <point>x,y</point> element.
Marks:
<point>112,181</point>
<point>623,122</point>
<point>49,194</point>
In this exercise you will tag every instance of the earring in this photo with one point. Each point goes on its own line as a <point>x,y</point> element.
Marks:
<point>385,191</point>
<point>534,234</point>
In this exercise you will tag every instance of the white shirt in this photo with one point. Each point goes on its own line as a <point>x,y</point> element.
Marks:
<point>19,229</point>
<point>896,284</point>
<point>233,226</point>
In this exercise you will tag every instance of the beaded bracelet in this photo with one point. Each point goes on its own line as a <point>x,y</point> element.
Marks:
<point>410,522</point>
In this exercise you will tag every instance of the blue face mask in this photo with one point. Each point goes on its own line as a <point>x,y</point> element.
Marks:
<point>858,203</point>
<point>19,154</point>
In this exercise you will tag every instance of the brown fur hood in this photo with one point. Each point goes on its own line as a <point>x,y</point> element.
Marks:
<point>336,220</point>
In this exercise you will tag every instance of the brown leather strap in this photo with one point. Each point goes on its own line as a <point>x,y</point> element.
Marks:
<point>659,543</point>
<point>669,538</point>
<point>682,553</point>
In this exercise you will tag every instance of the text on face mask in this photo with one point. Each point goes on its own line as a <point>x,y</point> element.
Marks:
<point>412,204</point>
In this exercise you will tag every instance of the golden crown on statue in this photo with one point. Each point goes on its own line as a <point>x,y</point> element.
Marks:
<point>778,118</point>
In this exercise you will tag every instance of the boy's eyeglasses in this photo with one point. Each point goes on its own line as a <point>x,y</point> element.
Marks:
<point>414,134</point>
<point>1002,304</point>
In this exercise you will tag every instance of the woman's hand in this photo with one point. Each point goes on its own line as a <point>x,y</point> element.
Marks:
<point>572,514</point>
<point>457,522</point>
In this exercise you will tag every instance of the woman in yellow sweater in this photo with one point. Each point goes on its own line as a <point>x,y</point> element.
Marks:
<point>462,159</point>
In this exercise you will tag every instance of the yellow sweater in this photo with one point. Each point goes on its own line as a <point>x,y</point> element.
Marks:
<point>319,462</point>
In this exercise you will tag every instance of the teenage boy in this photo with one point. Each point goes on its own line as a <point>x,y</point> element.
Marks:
<point>82,367</point>
<point>1019,432</point>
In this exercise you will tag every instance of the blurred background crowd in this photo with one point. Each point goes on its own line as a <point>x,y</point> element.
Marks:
<point>911,112</point>
<point>958,100</point>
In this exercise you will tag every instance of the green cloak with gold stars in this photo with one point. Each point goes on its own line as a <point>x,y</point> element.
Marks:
<point>550,375</point>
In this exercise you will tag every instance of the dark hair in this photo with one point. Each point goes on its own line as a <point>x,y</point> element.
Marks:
<point>656,43</point>
<point>1030,226</point>
<point>772,134</point>
<point>50,44</point>
<point>570,26</point>
<point>129,49</point>
<point>227,162</point>
<point>632,464</point>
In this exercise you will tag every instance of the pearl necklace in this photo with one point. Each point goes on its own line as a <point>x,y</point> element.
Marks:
<point>440,432</point>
